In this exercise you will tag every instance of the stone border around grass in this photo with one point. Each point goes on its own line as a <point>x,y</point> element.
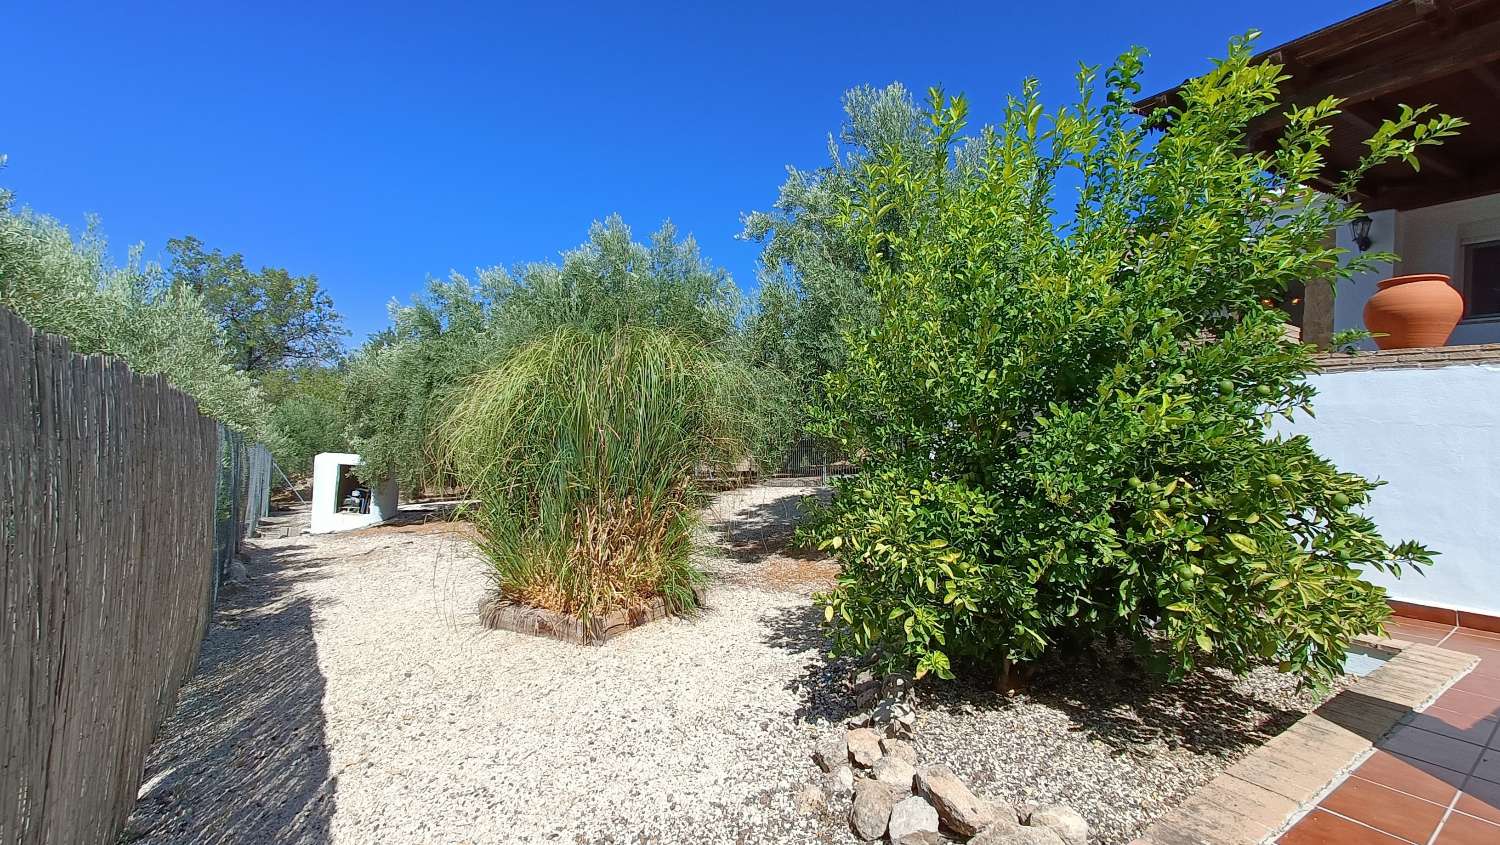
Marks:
<point>504,615</point>
<point>1258,797</point>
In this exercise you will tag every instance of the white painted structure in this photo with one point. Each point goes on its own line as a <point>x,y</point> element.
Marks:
<point>333,482</point>
<point>1428,240</point>
<point>1434,436</point>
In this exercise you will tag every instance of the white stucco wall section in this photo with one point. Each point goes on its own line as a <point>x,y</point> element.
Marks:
<point>1434,436</point>
<point>1428,240</point>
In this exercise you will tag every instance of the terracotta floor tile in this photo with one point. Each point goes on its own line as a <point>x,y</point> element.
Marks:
<point>1413,777</point>
<point>1467,830</point>
<point>1488,668</point>
<point>1464,726</point>
<point>1417,630</point>
<point>1480,633</point>
<point>1464,641</point>
<point>1489,766</point>
<point>1410,623</point>
<point>1481,798</point>
<point>1469,704</point>
<point>1394,812</point>
<point>1485,685</point>
<point>1320,828</point>
<point>1454,754</point>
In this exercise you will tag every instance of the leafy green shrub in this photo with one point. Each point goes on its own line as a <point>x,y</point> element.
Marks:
<point>580,449</point>
<point>1063,423</point>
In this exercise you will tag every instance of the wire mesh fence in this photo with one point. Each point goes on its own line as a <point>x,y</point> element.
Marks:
<point>811,456</point>
<point>242,498</point>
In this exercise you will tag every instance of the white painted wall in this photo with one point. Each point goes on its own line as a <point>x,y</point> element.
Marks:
<point>1429,240</point>
<point>1434,436</point>
<point>325,517</point>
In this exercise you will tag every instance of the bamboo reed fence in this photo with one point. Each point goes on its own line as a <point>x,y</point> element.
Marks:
<point>108,501</point>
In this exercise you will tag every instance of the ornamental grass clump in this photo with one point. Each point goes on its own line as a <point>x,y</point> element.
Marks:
<point>581,449</point>
<point>1063,420</point>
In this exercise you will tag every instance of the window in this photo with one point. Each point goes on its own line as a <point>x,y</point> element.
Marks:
<point>1482,279</point>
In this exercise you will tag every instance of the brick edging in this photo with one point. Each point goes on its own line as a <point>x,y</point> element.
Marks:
<point>1423,358</point>
<point>503,615</point>
<point>1260,795</point>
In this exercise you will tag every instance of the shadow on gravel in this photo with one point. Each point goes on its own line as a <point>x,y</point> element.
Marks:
<point>243,758</point>
<point>1130,710</point>
<point>756,530</point>
<point>822,689</point>
<point>1108,698</point>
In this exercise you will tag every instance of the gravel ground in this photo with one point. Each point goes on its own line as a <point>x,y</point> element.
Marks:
<point>347,694</point>
<point>1118,748</point>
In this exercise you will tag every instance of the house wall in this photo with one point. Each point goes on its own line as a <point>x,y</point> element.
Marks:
<point>1349,297</point>
<point>1429,240</point>
<point>1431,434</point>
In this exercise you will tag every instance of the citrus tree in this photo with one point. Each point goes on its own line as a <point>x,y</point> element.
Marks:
<point>1062,419</point>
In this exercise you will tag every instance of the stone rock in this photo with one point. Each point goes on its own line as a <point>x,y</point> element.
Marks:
<point>894,771</point>
<point>1008,813</point>
<point>961,810</point>
<point>865,693</point>
<point>896,685</point>
<point>237,571</point>
<point>831,753</point>
<point>864,746</point>
<point>1069,826</point>
<point>894,717</point>
<point>900,749</point>
<point>910,818</point>
<point>1000,835</point>
<point>841,781</point>
<point>871,813</point>
<point>1004,822</point>
<point>811,799</point>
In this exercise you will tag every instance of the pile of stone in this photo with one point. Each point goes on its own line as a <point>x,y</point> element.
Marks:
<point>897,799</point>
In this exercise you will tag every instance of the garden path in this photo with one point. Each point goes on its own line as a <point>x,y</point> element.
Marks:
<point>347,694</point>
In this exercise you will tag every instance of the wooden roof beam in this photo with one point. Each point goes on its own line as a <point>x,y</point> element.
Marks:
<point>1438,13</point>
<point>1487,77</point>
<point>1417,193</point>
<point>1475,48</point>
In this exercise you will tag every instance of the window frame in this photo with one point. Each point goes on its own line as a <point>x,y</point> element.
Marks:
<point>1467,286</point>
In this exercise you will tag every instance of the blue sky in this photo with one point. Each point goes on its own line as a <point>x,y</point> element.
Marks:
<point>378,144</point>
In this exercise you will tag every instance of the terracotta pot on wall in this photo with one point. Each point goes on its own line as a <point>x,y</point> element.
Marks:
<point>1412,311</point>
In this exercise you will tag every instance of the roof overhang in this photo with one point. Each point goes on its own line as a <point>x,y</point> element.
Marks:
<point>1413,52</point>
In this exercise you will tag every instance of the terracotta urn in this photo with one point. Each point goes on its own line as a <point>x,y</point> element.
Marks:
<point>1412,311</point>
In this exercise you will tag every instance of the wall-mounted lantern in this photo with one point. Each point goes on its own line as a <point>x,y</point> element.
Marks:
<point>1360,228</point>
